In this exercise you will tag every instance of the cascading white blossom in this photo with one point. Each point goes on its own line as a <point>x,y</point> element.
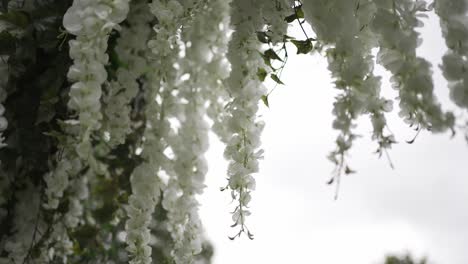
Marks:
<point>218,70</point>
<point>175,63</point>
<point>145,180</point>
<point>242,126</point>
<point>91,21</point>
<point>58,180</point>
<point>453,16</point>
<point>130,51</point>
<point>274,15</point>
<point>190,141</point>
<point>394,25</point>
<point>63,178</point>
<point>343,25</point>
<point>79,192</point>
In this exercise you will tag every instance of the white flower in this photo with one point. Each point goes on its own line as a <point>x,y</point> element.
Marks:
<point>454,26</point>
<point>91,22</point>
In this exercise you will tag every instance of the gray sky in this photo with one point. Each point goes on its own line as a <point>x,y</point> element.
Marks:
<point>420,206</point>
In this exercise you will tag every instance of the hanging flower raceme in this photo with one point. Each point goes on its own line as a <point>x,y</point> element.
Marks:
<point>190,141</point>
<point>351,64</point>
<point>130,66</point>
<point>159,69</point>
<point>218,68</point>
<point>453,17</point>
<point>64,178</point>
<point>145,180</point>
<point>91,22</point>
<point>58,180</point>
<point>242,127</point>
<point>274,16</point>
<point>394,26</point>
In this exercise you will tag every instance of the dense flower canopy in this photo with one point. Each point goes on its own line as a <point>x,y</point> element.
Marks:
<point>106,105</point>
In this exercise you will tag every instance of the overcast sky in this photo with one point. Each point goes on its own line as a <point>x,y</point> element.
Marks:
<point>420,206</point>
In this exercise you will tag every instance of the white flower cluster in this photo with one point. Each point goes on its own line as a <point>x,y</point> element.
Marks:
<point>454,22</point>
<point>29,228</point>
<point>187,178</point>
<point>242,126</point>
<point>91,21</point>
<point>145,196</point>
<point>26,221</point>
<point>218,69</point>
<point>177,62</point>
<point>58,180</point>
<point>3,95</point>
<point>65,185</point>
<point>351,64</point>
<point>130,50</point>
<point>145,180</point>
<point>394,25</point>
<point>274,15</point>
<point>79,192</point>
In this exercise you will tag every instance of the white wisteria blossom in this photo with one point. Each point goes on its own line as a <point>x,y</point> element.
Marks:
<point>245,90</point>
<point>106,107</point>
<point>91,22</point>
<point>454,20</point>
<point>394,25</point>
<point>129,51</point>
<point>351,64</point>
<point>145,180</point>
<point>190,140</point>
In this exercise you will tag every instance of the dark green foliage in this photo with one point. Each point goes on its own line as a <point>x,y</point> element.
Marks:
<point>303,46</point>
<point>406,259</point>
<point>275,78</point>
<point>36,96</point>
<point>262,74</point>
<point>298,14</point>
<point>35,47</point>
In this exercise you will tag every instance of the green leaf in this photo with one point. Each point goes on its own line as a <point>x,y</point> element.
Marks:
<point>276,79</point>
<point>349,171</point>
<point>266,60</point>
<point>265,100</point>
<point>261,73</point>
<point>105,213</point>
<point>17,18</point>
<point>263,37</point>
<point>85,234</point>
<point>290,18</point>
<point>7,43</point>
<point>271,54</point>
<point>298,13</point>
<point>303,46</point>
